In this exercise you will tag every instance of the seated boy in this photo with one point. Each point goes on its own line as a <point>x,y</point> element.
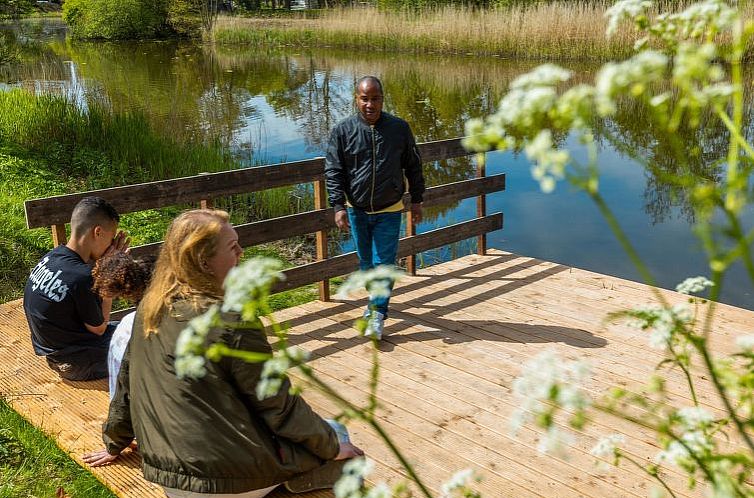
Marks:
<point>68,321</point>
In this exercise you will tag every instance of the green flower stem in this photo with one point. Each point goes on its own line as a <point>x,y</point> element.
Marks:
<point>368,418</point>
<point>687,374</point>
<point>655,474</point>
<point>701,346</point>
<point>734,133</point>
<point>374,381</point>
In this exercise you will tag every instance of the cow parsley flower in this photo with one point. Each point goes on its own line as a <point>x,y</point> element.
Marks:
<point>190,346</point>
<point>555,442</point>
<point>273,373</point>
<point>351,481</point>
<point>549,163</point>
<point>693,285</point>
<point>249,282</point>
<point>543,75</point>
<point>607,446</point>
<point>625,9</point>
<point>745,342</point>
<point>694,418</point>
<point>377,281</point>
<point>458,481</point>
<point>379,490</point>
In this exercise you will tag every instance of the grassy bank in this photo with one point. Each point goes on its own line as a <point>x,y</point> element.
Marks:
<point>554,31</point>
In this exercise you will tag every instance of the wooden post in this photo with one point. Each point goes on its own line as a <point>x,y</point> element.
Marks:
<point>206,204</point>
<point>58,235</point>
<point>481,204</point>
<point>410,231</point>
<point>320,202</point>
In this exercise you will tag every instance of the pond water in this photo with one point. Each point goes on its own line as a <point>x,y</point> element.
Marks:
<point>278,105</point>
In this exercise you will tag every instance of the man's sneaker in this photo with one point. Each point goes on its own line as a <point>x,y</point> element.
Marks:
<point>375,325</point>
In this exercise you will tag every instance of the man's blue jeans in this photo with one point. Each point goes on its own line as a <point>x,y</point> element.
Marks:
<point>376,239</point>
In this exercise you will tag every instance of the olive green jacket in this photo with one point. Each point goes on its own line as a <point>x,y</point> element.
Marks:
<point>211,435</point>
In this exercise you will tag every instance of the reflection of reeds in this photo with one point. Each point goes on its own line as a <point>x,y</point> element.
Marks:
<point>552,30</point>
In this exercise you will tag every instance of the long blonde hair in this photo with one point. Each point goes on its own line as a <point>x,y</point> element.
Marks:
<point>180,271</point>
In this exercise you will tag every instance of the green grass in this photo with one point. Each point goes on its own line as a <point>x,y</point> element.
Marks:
<point>31,464</point>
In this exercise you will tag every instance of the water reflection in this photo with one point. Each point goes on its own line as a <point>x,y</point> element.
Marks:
<point>273,105</point>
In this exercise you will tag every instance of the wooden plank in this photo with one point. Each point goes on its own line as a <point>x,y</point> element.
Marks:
<point>130,198</point>
<point>346,263</point>
<point>442,149</point>
<point>284,227</point>
<point>481,207</point>
<point>410,232</point>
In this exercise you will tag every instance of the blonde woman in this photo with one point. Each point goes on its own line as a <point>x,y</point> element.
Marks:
<point>211,436</point>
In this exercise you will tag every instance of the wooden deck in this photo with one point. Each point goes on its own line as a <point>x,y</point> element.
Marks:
<point>458,335</point>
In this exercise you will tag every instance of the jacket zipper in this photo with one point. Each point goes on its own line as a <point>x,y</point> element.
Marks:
<point>374,167</point>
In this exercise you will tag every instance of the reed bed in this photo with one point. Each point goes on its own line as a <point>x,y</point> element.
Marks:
<point>562,31</point>
<point>554,31</point>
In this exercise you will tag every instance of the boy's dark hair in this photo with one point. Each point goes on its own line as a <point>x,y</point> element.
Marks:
<point>92,211</point>
<point>119,275</point>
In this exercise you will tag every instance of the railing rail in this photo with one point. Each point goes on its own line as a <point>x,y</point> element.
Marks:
<point>204,189</point>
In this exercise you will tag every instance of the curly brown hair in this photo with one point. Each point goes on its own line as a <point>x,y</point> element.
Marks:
<point>119,275</point>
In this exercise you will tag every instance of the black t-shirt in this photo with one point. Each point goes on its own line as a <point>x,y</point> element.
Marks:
<point>58,301</point>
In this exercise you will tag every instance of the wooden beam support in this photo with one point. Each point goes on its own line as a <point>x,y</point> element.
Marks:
<point>58,235</point>
<point>320,202</point>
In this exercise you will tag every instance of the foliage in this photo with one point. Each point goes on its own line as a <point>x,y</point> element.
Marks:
<point>125,19</point>
<point>699,50</point>
<point>32,465</point>
<point>15,9</point>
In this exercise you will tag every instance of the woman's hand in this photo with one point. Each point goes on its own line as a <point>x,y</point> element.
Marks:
<point>347,450</point>
<point>99,458</point>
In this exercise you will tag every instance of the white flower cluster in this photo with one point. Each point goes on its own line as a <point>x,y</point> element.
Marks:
<point>694,422</point>
<point>549,163</point>
<point>190,346</point>
<point>248,283</point>
<point>663,322</point>
<point>377,281</point>
<point>699,21</point>
<point>745,343</point>
<point>351,482</point>
<point>274,370</point>
<point>608,445</point>
<point>625,9</point>
<point>458,483</point>
<point>555,442</point>
<point>545,381</point>
<point>693,285</point>
<point>630,76</point>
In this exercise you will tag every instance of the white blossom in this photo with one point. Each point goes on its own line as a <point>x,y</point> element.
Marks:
<point>249,281</point>
<point>625,9</point>
<point>273,372</point>
<point>549,163</point>
<point>693,285</point>
<point>190,366</point>
<point>555,442</point>
<point>459,480</point>
<point>543,75</point>
<point>694,417</point>
<point>606,447</point>
<point>540,377</point>
<point>379,490</point>
<point>745,342</point>
<point>351,481</point>
<point>635,73</point>
<point>698,20</point>
<point>662,322</point>
<point>377,281</point>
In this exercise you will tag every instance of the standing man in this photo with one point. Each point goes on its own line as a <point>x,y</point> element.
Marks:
<point>369,158</point>
<point>68,321</point>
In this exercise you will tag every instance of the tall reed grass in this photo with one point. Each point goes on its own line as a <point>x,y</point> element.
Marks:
<point>548,30</point>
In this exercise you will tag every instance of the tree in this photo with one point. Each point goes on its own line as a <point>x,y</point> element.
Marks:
<point>15,9</point>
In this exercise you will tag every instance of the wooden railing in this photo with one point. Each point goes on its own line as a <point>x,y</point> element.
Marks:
<point>204,189</point>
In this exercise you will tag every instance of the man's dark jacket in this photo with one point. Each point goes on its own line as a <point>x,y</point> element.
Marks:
<point>365,164</point>
<point>211,435</point>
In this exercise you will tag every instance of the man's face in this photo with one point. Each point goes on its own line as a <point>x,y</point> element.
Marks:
<point>369,101</point>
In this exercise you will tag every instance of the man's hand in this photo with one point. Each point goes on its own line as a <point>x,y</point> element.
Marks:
<point>416,213</point>
<point>99,458</point>
<point>348,450</point>
<point>341,219</point>
<point>121,243</point>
